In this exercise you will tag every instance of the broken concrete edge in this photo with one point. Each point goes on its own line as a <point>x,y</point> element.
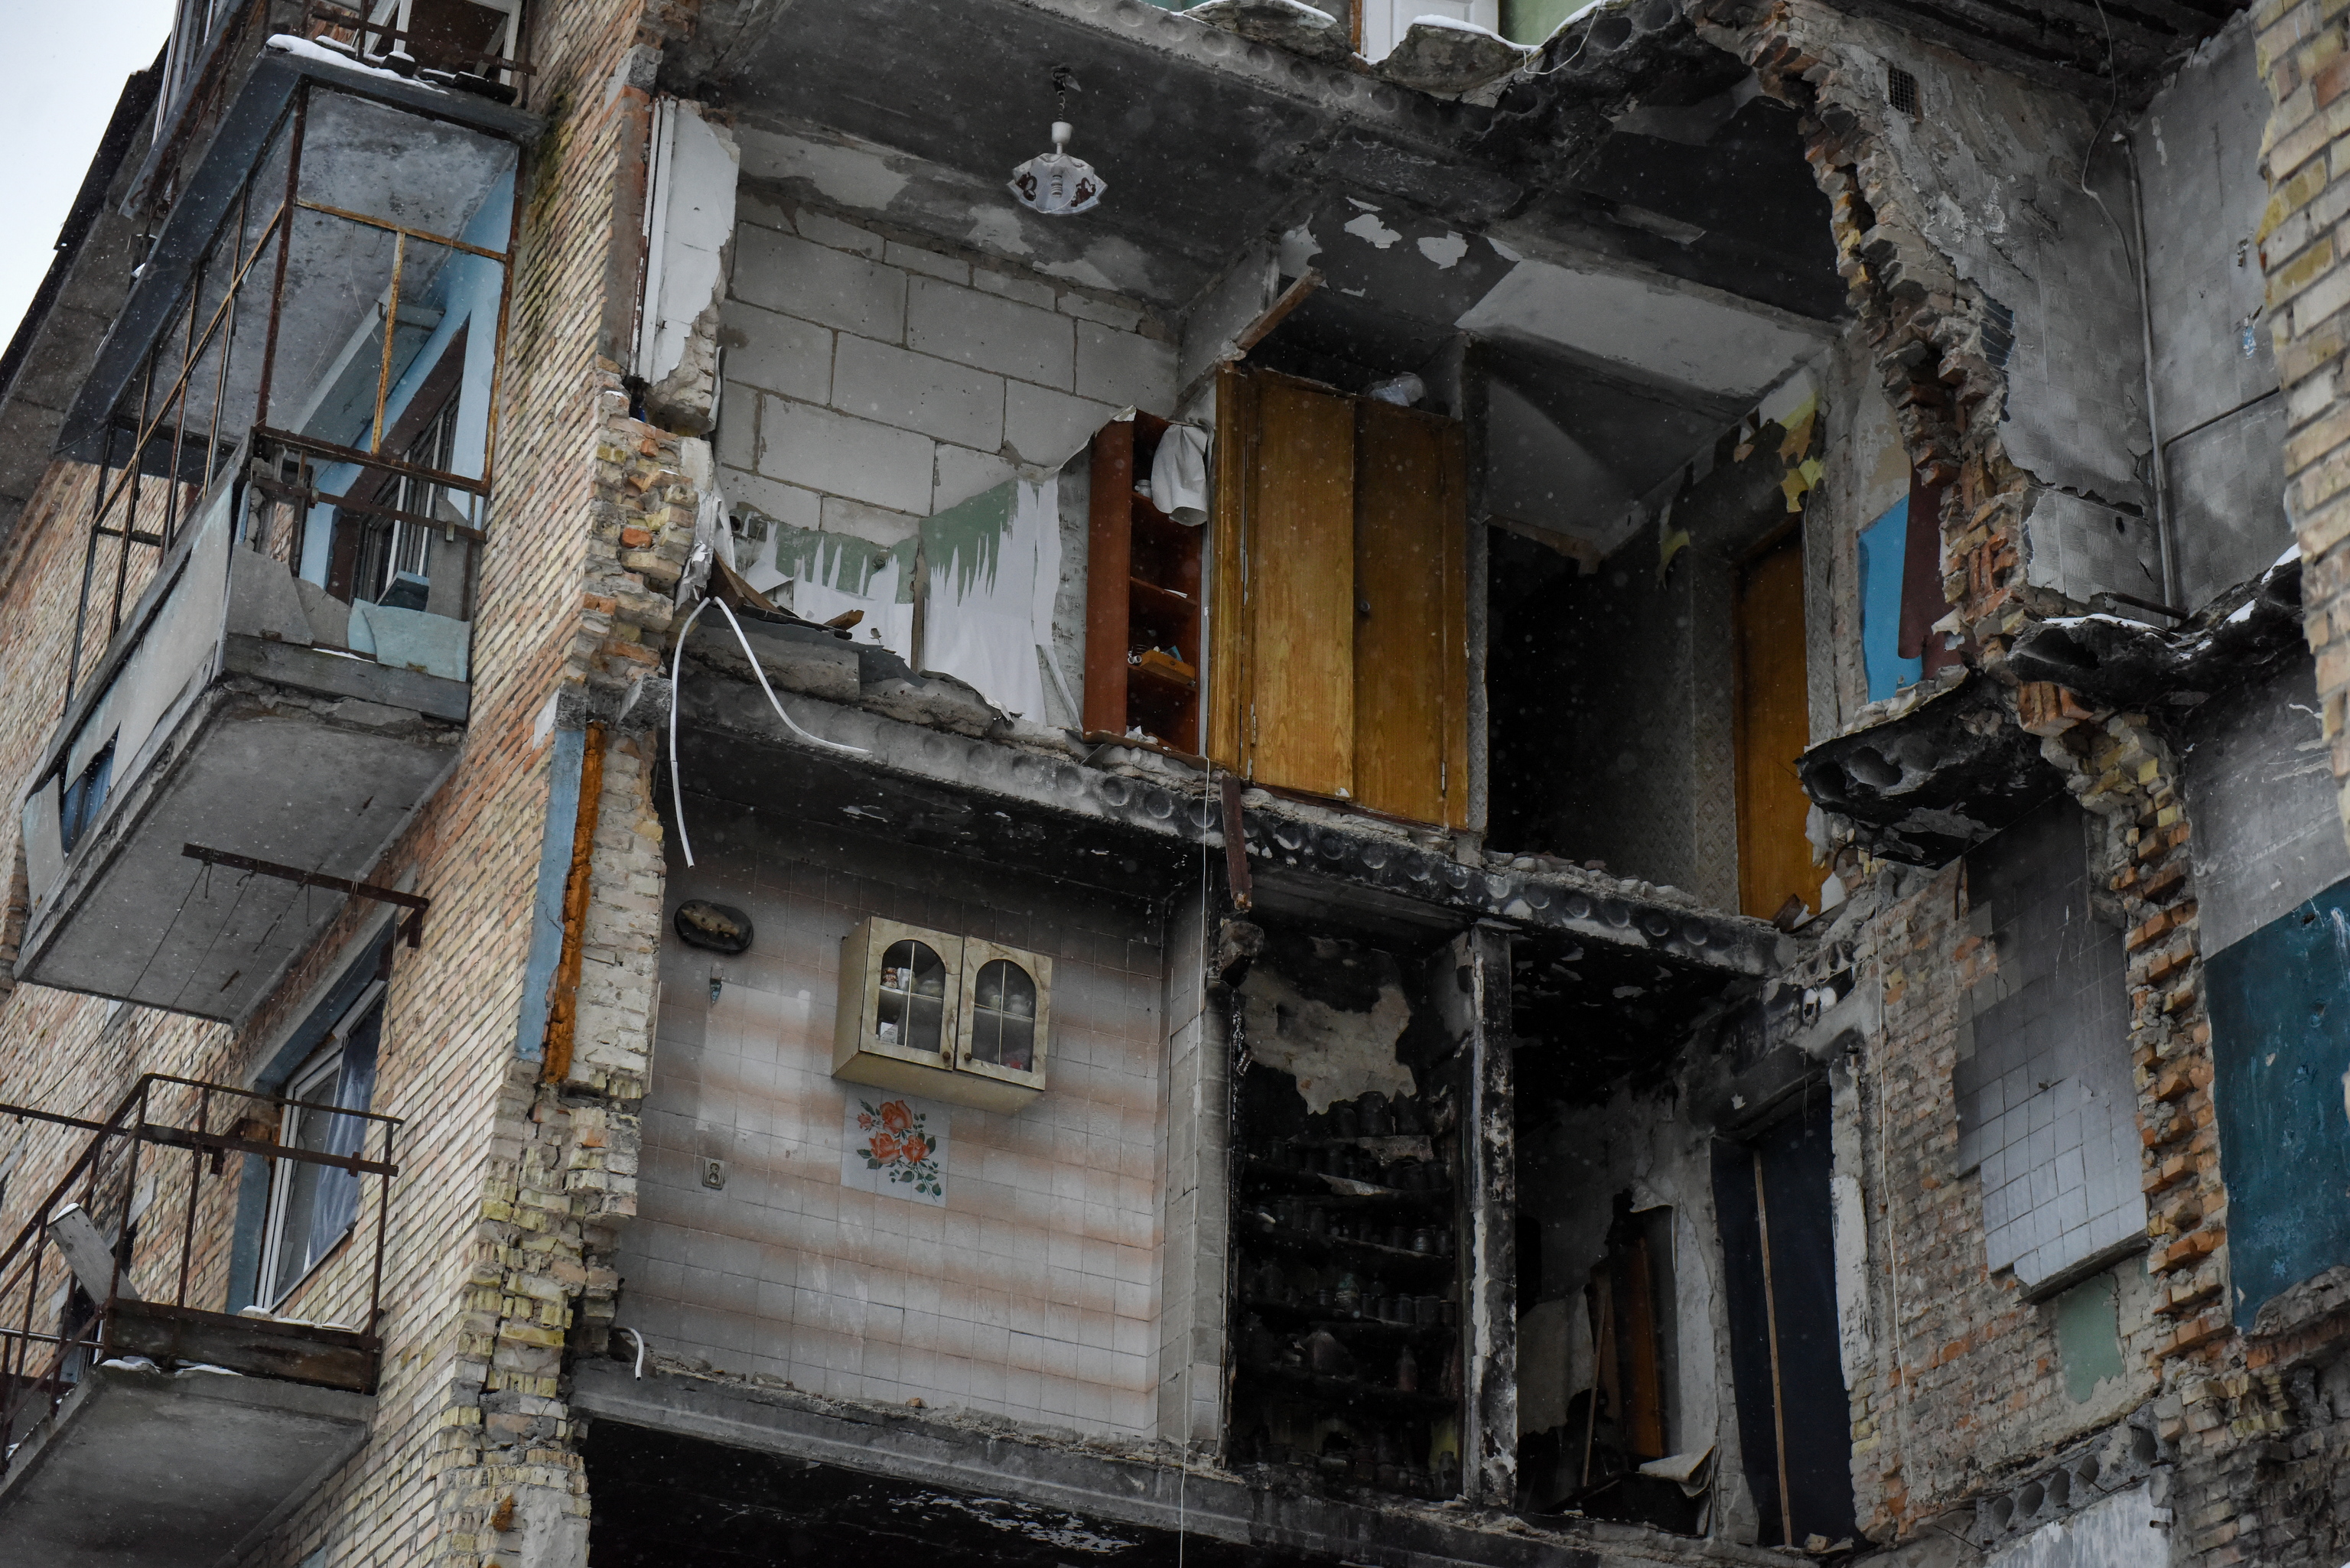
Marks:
<point>1144,1484</point>
<point>1346,848</point>
<point>156,770</point>
<point>193,1389</point>
<point>1949,735</point>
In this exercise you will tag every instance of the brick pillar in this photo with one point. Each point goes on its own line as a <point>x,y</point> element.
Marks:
<point>2303,59</point>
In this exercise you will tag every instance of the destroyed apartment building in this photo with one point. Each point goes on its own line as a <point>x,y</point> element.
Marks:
<point>1058,782</point>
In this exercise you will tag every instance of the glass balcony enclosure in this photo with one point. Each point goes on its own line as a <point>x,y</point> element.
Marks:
<point>291,442</point>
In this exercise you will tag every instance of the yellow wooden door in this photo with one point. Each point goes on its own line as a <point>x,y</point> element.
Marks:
<point>1773,726</point>
<point>1411,635</point>
<point>1300,590</point>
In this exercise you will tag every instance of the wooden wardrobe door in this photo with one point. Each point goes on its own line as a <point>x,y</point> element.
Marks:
<point>1300,566</point>
<point>1773,726</point>
<point>1411,645</point>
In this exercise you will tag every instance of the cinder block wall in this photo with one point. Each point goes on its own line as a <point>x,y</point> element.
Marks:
<point>871,379</point>
<point>1033,1292</point>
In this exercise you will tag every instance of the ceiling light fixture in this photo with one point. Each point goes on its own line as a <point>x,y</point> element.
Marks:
<point>1054,183</point>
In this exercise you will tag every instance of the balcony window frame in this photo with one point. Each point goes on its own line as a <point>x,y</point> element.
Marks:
<point>317,1088</point>
<point>133,420</point>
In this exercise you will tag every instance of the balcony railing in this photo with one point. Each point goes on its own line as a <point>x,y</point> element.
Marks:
<point>124,1245</point>
<point>335,289</point>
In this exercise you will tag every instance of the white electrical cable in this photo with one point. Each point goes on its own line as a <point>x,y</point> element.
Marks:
<point>790,723</point>
<point>639,1338</point>
<point>676,667</point>
<point>677,790</point>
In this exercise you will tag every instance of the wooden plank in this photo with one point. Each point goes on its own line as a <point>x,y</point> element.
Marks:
<point>1455,543</point>
<point>257,1347</point>
<point>1109,544</point>
<point>1773,725</point>
<point>1300,559</point>
<point>1643,1404</point>
<point>1226,675</point>
<point>1402,539</point>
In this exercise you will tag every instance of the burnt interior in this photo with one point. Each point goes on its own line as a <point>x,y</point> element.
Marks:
<point>1347,1294</point>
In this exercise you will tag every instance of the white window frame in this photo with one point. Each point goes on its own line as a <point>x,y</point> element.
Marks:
<point>324,1064</point>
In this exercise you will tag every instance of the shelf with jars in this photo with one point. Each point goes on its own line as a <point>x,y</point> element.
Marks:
<point>1347,1308</point>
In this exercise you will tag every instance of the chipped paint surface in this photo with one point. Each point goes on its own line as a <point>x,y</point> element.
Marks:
<point>1333,1055</point>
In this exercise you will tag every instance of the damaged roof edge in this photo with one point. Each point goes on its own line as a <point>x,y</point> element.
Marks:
<point>1586,905</point>
<point>73,307</point>
<point>707,62</point>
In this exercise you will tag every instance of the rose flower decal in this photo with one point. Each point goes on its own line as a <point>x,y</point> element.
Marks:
<point>896,1143</point>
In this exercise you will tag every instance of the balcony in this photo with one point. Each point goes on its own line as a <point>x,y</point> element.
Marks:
<point>291,439</point>
<point>141,1428</point>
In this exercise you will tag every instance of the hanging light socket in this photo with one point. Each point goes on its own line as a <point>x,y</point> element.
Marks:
<point>1055,184</point>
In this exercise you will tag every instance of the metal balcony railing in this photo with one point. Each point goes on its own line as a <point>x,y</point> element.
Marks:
<point>116,1251</point>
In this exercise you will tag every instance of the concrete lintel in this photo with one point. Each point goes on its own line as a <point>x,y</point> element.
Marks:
<point>977,776</point>
<point>1133,1491</point>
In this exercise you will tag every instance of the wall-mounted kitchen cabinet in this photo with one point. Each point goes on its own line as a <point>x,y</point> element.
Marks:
<point>947,1017</point>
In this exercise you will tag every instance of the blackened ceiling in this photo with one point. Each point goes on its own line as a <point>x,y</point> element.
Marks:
<point>918,109</point>
<point>661,1499</point>
<point>2086,45</point>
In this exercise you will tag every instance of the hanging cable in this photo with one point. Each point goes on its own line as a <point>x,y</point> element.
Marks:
<point>676,668</point>
<point>676,789</point>
<point>791,723</point>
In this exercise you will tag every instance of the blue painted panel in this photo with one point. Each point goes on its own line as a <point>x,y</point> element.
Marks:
<point>2279,1005</point>
<point>1883,545</point>
<point>546,908</point>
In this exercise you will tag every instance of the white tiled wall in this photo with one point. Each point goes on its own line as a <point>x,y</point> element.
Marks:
<point>2046,1104</point>
<point>1034,1292</point>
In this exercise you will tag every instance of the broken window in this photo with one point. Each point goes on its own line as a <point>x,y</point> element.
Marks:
<point>1339,647</point>
<point>313,1206</point>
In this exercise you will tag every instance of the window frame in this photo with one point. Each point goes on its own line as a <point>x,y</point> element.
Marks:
<point>977,954</point>
<point>324,1064</point>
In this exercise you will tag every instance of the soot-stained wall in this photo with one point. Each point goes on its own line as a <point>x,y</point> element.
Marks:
<point>1612,695</point>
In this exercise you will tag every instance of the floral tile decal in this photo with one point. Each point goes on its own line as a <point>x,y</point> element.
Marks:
<point>895,1145</point>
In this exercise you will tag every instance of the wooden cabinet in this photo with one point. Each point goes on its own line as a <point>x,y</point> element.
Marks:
<point>1142,598</point>
<point>950,1018</point>
<point>1338,656</point>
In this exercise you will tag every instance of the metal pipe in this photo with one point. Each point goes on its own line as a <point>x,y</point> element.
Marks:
<point>498,349</point>
<point>2160,463</point>
<point>284,243</point>
<point>390,334</point>
<point>89,565</point>
<point>195,1186</point>
<point>179,400</point>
